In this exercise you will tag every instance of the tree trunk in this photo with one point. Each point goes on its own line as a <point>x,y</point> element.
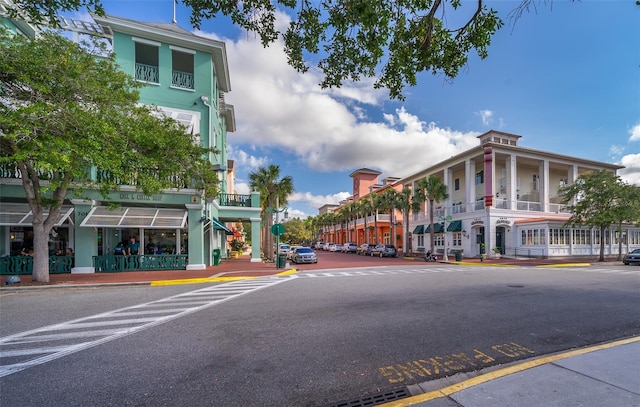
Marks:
<point>41,253</point>
<point>620,241</point>
<point>407,248</point>
<point>431,229</point>
<point>602,240</point>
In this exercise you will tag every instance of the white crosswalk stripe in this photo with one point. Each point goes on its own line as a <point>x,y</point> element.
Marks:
<point>384,272</point>
<point>26,349</point>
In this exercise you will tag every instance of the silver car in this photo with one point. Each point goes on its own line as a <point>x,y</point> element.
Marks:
<point>305,255</point>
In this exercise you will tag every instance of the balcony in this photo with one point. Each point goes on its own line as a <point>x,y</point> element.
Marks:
<point>183,80</point>
<point>236,200</point>
<point>147,73</point>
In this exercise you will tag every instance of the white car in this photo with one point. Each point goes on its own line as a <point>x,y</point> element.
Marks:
<point>283,248</point>
<point>334,247</point>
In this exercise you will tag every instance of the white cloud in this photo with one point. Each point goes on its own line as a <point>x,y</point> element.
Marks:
<point>634,133</point>
<point>247,161</point>
<point>317,201</point>
<point>631,172</point>
<point>242,188</point>
<point>326,129</point>
<point>486,116</point>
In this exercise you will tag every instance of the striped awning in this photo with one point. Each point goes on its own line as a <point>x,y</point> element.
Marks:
<point>159,218</point>
<point>15,214</point>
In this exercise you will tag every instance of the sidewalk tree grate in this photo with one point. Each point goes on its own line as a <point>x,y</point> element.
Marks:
<point>374,399</point>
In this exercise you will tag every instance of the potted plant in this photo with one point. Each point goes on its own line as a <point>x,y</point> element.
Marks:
<point>236,247</point>
<point>483,255</point>
<point>496,252</point>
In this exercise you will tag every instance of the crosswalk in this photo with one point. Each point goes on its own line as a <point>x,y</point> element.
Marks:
<point>380,271</point>
<point>26,349</point>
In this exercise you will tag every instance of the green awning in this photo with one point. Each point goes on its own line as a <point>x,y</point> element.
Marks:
<point>418,230</point>
<point>455,226</point>
<point>437,228</point>
<point>220,226</point>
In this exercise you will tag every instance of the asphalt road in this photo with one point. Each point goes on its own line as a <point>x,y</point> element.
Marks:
<point>309,340</point>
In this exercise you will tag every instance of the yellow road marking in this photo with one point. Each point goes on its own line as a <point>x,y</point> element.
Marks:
<point>197,280</point>
<point>287,273</point>
<point>212,279</point>
<point>496,374</point>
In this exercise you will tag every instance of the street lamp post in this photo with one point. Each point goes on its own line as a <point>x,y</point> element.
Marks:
<point>278,230</point>
<point>444,220</point>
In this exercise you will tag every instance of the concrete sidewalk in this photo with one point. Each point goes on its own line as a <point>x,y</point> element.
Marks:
<point>603,375</point>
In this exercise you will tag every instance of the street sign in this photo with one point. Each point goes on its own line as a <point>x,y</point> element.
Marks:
<point>277,229</point>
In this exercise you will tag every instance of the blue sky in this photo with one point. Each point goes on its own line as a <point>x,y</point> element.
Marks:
<point>565,76</point>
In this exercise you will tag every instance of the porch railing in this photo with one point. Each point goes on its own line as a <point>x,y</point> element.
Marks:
<point>235,200</point>
<point>147,73</point>
<point>118,263</point>
<point>24,265</point>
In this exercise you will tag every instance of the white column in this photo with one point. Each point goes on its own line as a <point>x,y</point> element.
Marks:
<point>470,184</point>
<point>512,182</point>
<point>543,184</point>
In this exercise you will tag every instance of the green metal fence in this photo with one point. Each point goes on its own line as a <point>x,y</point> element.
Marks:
<point>145,262</point>
<point>24,265</point>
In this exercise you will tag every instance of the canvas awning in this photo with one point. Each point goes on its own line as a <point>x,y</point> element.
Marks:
<point>418,230</point>
<point>220,226</point>
<point>16,214</point>
<point>438,228</point>
<point>159,218</point>
<point>455,226</point>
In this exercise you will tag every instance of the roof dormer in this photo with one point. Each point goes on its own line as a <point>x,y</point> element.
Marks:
<point>499,137</point>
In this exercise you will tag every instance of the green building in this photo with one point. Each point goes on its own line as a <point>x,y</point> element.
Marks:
<point>186,76</point>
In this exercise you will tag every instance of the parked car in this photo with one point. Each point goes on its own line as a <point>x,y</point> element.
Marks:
<point>384,250</point>
<point>325,246</point>
<point>283,248</point>
<point>365,249</point>
<point>292,251</point>
<point>304,255</point>
<point>632,258</point>
<point>334,247</point>
<point>318,245</point>
<point>349,247</point>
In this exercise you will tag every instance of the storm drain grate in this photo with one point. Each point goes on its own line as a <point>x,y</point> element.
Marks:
<point>374,399</point>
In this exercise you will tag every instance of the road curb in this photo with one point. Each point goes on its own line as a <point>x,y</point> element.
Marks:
<point>502,372</point>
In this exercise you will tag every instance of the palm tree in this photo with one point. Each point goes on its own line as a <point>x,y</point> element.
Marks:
<point>364,209</point>
<point>376,204</point>
<point>272,190</point>
<point>403,203</point>
<point>349,212</point>
<point>387,201</point>
<point>434,190</point>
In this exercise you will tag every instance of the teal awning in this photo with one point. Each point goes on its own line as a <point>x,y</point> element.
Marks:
<point>437,228</point>
<point>418,230</point>
<point>455,226</point>
<point>220,226</point>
